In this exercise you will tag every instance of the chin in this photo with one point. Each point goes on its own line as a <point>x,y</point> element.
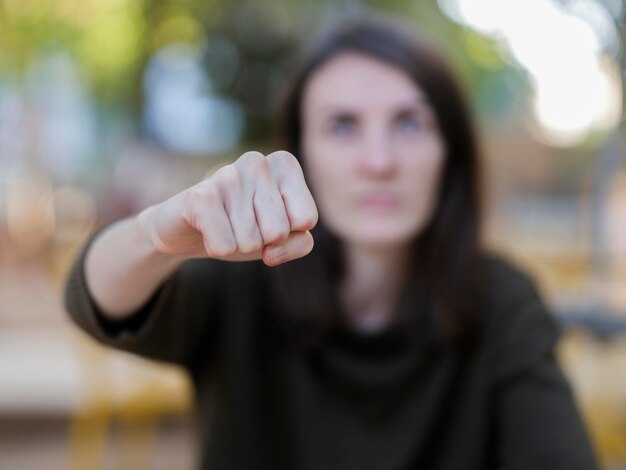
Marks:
<point>380,236</point>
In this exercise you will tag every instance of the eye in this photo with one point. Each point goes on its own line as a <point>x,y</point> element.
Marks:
<point>343,125</point>
<point>408,123</point>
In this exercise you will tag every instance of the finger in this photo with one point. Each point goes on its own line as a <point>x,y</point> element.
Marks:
<point>270,212</point>
<point>217,233</point>
<point>297,198</point>
<point>297,245</point>
<point>239,207</point>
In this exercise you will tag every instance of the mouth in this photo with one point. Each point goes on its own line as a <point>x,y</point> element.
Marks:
<point>378,201</point>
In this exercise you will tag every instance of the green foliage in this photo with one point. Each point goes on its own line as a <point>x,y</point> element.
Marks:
<point>112,41</point>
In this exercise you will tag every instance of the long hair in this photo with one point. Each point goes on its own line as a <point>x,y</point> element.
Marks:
<point>440,298</point>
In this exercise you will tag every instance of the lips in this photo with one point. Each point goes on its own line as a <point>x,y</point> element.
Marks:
<point>378,200</point>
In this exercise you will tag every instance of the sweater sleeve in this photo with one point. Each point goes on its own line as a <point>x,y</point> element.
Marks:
<point>538,424</point>
<point>179,318</point>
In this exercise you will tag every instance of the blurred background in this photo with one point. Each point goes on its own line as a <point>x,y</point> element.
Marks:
<point>107,106</point>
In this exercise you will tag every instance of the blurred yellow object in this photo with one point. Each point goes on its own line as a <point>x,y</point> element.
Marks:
<point>123,400</point>
<point>596,370</point>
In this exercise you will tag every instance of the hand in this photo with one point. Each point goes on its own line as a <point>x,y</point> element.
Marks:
<point>255,208</point>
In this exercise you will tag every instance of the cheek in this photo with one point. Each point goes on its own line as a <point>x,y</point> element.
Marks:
<point>425,182</point>
<point>322,173</point>
<point>327,182</point>
<point>427,167</point>
<point>323,164</point>
<point>432,173</point>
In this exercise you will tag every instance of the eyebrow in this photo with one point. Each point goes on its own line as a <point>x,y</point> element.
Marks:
<point>420,103</point>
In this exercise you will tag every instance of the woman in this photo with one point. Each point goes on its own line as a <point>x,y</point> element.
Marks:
<point>396,343</point>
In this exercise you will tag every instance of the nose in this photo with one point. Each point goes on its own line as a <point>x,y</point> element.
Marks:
<point>377,156</point>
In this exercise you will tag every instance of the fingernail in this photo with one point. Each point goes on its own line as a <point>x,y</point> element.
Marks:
<point>276,252</point>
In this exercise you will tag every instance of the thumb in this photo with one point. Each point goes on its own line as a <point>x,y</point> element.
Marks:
<point>296,245</point>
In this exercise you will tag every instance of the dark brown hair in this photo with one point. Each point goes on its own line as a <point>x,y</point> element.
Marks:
<point>440,299</point>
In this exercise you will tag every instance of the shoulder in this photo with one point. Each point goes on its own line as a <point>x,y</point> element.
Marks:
<point>518,328</point>
<point>504,282</point>
<point>500,269</point>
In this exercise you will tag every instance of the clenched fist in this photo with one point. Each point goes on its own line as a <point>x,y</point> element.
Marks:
<point>255,208</point>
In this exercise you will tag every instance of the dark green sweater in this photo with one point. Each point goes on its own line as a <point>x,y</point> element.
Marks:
<point>352,401</point>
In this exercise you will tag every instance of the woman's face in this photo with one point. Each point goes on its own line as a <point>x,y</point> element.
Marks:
<point>373,153</point>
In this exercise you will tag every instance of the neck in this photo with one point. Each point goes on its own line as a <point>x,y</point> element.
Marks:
<point>372,284</point>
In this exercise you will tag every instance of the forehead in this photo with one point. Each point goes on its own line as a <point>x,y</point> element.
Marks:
<point>358,81</point>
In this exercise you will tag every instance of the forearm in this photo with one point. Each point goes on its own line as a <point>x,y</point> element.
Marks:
<point>123,269</point>
<point>257,208</point>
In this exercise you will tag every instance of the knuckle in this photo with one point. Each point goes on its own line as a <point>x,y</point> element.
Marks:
<point>251,160</point>
<point>200,194</point>
<point>282,154</point>
<point>228,177</point>
<point>284,158</point>
<point>251,156</point>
